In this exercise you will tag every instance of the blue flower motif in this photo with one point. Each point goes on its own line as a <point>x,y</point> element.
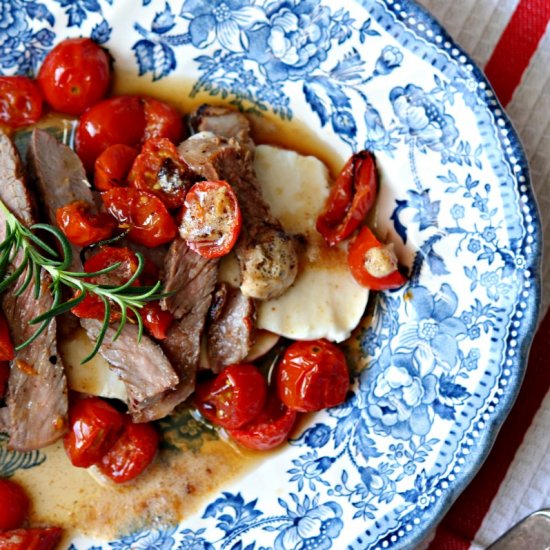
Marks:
<point>312,527</point>
<point>224,20</point>
<point>12,23</point>
<point>489,234</point>
<point>424,117</point>
<point>474,332</point>
<point>370,340</point>
<point>294,42</point>
<point>457,212</point>
<point>390,58</point>
<point>433,331</point>
<point>489,279</point>
<point>471,360</point>
<point>375,481</point>
<point>474,246</point>
<point>317,436</point>
<point>310,467</point>
<point>146,540</point>
<point>193,541</point>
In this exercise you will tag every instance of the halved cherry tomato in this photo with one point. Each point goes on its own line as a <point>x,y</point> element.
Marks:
<point>113,166</point>
<point>115,120</point>
<point>156,320</point>
<point>160,170</point>
<point>14,505</point>
<point>132,452</point>
<point>46,538</point>
<point>75,75</point>
<point>350,199</point>
<point>162,121</point>
<point>211,218</point>
<point>92,307</point>
<point>312,376</point>
<point>4,377</point>
<point>7,352</point>
<point>149,222</point>
<point>235,397</point>
<point>374,264</point>
<point>94,427</point>
<point>20,101</point>
<point>269,429</point>
<point>82,227</point>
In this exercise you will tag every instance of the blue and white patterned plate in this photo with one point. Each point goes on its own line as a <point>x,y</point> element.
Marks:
<point>446,354</point>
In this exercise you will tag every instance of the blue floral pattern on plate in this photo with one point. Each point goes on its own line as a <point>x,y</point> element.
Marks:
<point>444,356</point>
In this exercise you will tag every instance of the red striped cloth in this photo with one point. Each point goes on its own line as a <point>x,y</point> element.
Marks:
<point>506,66</point>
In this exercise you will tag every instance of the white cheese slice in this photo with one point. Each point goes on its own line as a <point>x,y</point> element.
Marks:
<point>94,377</point>
<point>325,301</point>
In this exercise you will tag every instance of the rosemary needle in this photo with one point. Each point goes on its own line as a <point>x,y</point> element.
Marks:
<point>32,256</point>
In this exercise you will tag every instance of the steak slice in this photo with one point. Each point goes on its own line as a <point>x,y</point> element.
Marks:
<point>267,255</point>
<point>230,335</point>
<point>143,368</point>
<point>37,388</point>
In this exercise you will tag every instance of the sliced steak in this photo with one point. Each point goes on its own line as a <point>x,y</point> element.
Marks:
<point>37,387</point>
<point>267,254</point>
<point>231,334</point>
<point>144,369</point>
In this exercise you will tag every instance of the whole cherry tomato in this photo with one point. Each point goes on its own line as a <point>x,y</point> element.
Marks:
<point>115,120</point>
<point>20,101</point>
<point>75,75</point>
<point>236,396</point>
<point>312,376</point>
<point>156,320</point>
<point>7,352</point>
<point>14,505</point>
<point>92,307</point>
<point>132,452</point>
<point>162,121</point>
<point>160,170</point>
<point>113,166</point>
<point>4,377</point>
<point>211,218</point>
<point>82,227</point>
<point>94,426</point>
<point>46,538</point>
<point>269,429</point>
<point>373,264</point>
<point>144,214</point>
<point>350,199</point>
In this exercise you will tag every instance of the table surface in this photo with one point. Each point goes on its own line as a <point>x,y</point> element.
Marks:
<point>510,40</point>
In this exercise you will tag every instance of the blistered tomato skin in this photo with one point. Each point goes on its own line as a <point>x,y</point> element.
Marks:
<point>14,505</point>
<point>312,376</point>
<point>75,75</point>
<point>112,167</point>
<point>115,120</point>
<point>20,101</point>
<point>162,121</point>
<point>45,538</point>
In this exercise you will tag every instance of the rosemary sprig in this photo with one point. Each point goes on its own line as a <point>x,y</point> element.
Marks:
<point>34,255</point>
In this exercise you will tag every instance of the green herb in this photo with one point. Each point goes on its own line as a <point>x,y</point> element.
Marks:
<point>34,255</point>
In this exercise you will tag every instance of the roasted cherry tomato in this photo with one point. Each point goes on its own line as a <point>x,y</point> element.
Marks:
<point>4,377</point>
<point>350,199</point>
<point>211,218</point>
<point>132,452</point>
<point>113,166</point>
<point>20,101</point>
<point>236,396</point>
<point>269,429</point>
<point>7,352</point>
<point>312,376</point>
<point>144,214</point>
<point>156,320</point>
<point>92,307</point>
<point>46,538</point>
<point>75,75</point>
<point>82,227</point>
<point>94,426</point>
<point>162,121</point>
<point>160,170</point>
<point>14,505</point>
<point>115,120</point>
<point>374,264</point>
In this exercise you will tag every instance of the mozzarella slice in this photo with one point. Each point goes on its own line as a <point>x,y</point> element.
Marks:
<point>94,377</point>
<point>325,301</point>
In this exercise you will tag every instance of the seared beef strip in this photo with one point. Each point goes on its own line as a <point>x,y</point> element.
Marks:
<point>267,254</point>
<point>144,368</point>
<point>37,388</point>
<point>230,335</point>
